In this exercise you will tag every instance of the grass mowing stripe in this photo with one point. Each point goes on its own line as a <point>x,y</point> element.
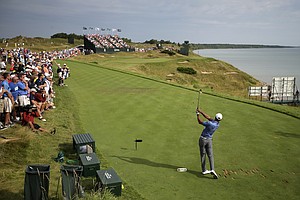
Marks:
<point>245,154</point>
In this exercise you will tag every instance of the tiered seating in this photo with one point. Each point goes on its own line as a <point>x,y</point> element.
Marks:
<point>107,41</point>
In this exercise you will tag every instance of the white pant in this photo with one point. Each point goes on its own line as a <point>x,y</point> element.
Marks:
<point>23,100</point>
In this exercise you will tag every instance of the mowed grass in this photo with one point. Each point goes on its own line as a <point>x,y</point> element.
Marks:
<point>256,150</point>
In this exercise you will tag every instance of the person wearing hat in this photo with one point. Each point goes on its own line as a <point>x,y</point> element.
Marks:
<point>205,140</point>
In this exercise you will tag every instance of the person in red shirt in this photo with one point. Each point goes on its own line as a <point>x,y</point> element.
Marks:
<point>40,97</point>
<point>28,119</point>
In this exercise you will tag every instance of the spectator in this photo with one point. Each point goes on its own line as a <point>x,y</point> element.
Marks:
<point>40,82</point>
<point>49,93</point>
<point>2,92</point>
<point>3,65</point>
<point>23,93</point>
<point>7,100</point>
<point>28,119</point>
<point>31,82</point>
<point>60,72</point>
<point>30,72</point>
<point>15,93</point>
<point>36,104</point>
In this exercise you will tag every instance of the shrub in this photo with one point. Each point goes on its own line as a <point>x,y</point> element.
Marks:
<point>171,53</point>
<point>186,70</point>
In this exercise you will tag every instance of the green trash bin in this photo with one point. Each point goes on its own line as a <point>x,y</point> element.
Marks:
<point>90,164</point>
<point>71,181</point>
<point>109,179</point>
<point>36,186</point>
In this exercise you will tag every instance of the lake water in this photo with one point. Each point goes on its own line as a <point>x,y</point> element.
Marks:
<point>261,63</point>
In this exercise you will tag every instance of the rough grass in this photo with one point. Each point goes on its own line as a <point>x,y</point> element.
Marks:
<point>41,148</point>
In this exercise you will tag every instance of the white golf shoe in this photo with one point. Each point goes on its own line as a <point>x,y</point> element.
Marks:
<point>212,172</point>
<point>206,172</point>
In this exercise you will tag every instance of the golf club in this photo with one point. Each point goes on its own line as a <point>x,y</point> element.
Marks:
<point>200,92</point>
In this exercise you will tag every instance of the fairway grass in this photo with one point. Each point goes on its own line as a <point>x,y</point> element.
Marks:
<point>256,149</point>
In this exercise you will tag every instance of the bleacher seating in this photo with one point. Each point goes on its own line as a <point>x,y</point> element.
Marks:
<point>107,41</point>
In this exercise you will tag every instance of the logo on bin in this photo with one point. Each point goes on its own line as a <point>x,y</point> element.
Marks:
<point>107,175</point>
<point>88,158</point>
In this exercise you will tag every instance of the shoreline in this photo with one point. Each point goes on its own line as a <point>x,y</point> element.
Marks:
<point>237,46</point>
<point>261,63</point>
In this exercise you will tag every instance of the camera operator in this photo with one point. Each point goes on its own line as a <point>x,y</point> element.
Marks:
<point>28,119</point>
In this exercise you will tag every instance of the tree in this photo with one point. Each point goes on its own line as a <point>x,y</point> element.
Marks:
<point>152,41</point>
<point>60,35</point>
<point>65,35</point>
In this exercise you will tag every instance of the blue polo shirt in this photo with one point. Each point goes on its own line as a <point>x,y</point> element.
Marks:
<point>5,85</point>
<point>210,128</point>
<point>14,90</point>
<point>22,90</point>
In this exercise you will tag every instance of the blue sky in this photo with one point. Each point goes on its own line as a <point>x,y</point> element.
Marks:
<point>198,21</point>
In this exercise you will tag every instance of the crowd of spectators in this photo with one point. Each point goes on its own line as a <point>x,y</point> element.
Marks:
<point>26,80</point>
<point>107,41</point>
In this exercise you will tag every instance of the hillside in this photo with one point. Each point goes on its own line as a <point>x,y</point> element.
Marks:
<point>39,44</point>
<point>212,75</point>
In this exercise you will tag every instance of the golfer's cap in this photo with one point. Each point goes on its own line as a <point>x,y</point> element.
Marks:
<point>32,90</point>
<point>219,116</point>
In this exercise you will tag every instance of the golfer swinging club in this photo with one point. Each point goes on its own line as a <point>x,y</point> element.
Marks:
<point>205,140</point>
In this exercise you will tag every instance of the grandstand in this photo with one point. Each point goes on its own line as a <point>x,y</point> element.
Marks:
<point>105,43</point>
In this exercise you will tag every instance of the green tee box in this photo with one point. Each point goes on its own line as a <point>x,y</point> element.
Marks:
<point>108,179</point>
<point>90,163</point>
<point>83,139</point>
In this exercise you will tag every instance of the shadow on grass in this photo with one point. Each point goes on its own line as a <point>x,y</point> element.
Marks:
<point>288,135</point>
<point>67,149</point>
<point>150,163</point>
<point>6,194</point>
